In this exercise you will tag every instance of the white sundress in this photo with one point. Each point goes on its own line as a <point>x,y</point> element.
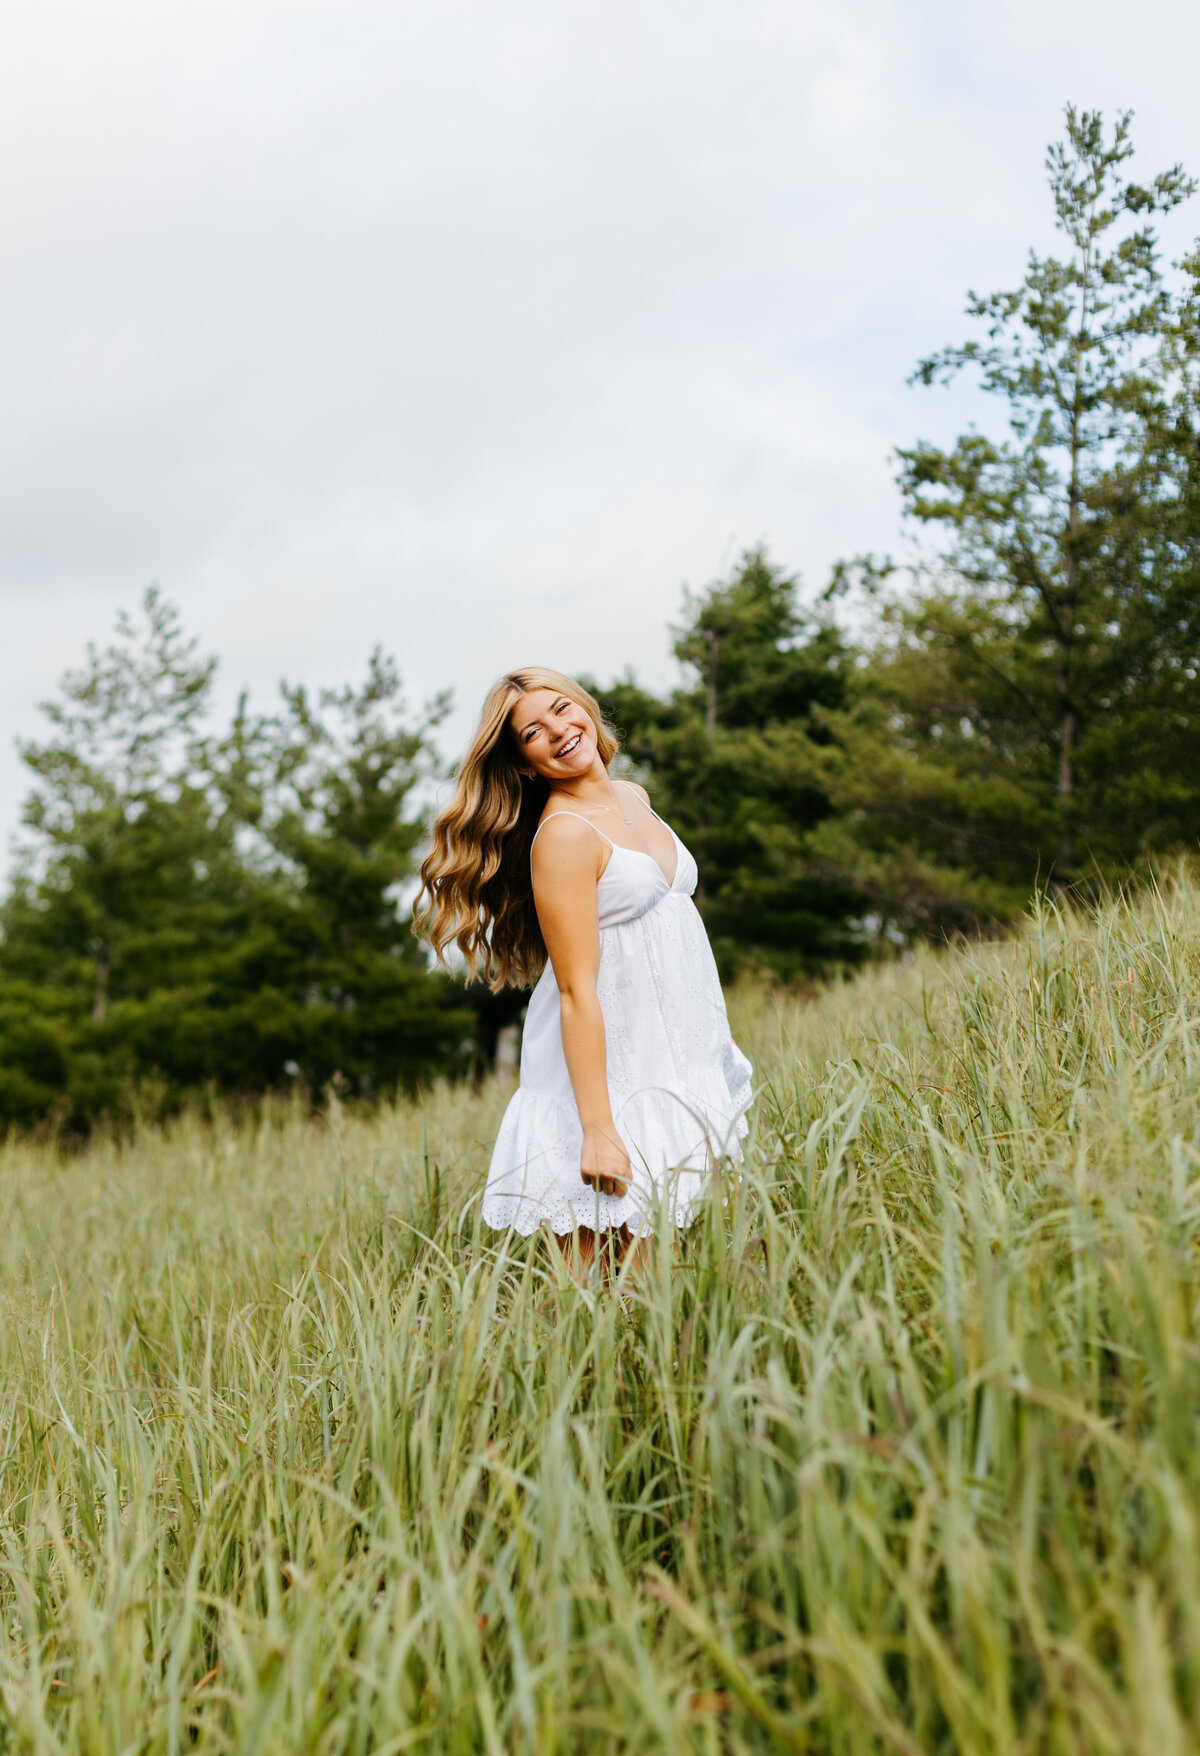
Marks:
<point>679,1085</point>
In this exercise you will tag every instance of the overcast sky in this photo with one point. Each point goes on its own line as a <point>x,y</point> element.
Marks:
<point>477,329</point>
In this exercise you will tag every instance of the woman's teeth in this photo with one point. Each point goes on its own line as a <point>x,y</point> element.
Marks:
<point>573,744</point>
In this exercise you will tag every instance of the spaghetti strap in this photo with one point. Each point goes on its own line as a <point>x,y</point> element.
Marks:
<point>552,814</point>
<point>644,803</point>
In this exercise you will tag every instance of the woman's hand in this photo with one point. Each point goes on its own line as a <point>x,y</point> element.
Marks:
<point>604,1163</point>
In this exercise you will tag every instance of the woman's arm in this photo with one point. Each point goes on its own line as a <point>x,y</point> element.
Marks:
<point>567,861</point>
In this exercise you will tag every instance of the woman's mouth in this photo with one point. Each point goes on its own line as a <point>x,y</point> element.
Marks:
<point>571,745</point>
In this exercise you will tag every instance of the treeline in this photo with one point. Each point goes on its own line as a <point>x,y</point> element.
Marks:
<point>196,912</point>
<point>216,913</point>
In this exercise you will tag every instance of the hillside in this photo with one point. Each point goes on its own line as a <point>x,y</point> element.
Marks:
<point>898,1453</point>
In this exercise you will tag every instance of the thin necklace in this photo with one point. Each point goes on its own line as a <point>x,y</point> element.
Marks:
<point>595,810</point>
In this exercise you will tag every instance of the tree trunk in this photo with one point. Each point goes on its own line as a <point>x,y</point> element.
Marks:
<point>1069,609</point>
<point>100,1003</point>
<point>710,733</point>
<point>1066,783</point>
<point>710,699</point>
<point>1062,684</point>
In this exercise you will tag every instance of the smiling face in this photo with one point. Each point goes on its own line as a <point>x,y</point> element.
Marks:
<point>554,736</point>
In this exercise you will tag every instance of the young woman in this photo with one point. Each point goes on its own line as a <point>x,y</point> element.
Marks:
<point>545,870</point>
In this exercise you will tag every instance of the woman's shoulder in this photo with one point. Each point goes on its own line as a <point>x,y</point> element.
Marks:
<point>636,787</point>
<point>565,829</point>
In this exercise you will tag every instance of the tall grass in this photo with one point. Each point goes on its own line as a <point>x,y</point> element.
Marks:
<point>896,1450</point>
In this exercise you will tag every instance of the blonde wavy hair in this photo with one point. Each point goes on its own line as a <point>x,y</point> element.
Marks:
<point>476,892</point>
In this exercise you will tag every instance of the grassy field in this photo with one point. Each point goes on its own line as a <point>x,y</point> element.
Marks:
<point>896,1451</point>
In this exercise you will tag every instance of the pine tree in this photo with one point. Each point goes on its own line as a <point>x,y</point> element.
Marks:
<point>1036,706</point>
<point>336,812</point>
<point>739,760</point>
<point>130,887</point>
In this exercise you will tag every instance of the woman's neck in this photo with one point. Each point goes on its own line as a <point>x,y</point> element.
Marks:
<point>590,791</point>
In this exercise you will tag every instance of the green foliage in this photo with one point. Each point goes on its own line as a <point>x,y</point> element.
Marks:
<point>895,1450</point>
<point>739,759</point>
<point>199,913</point>
<point>332,780</point>
<point>1040,691</point>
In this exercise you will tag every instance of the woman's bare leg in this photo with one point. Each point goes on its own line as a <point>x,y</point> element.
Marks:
<point>617,1249</point>
<point>577,1250</point>
<point>632,1251</point>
